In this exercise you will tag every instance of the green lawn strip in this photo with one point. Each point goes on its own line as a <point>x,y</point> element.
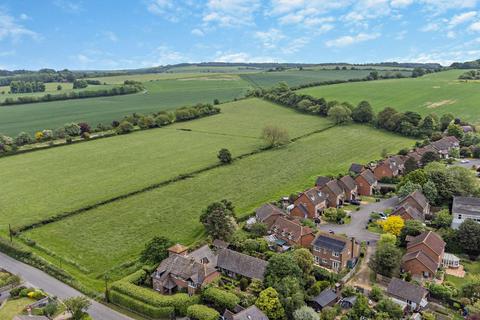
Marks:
<point>472,269</point>
<point>161,95</point>
<point>112,234</point>
<point>438,93</point>
<point>13,308</point>
<point>68,178</point>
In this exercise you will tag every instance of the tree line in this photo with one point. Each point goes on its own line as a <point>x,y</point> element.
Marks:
<point>120,90</point>
<point>408,123</point>
<point>26,86</point>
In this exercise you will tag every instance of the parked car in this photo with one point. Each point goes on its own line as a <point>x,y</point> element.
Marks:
<point>465,161</point>
<point>331,231</point>
<point>355,202</point>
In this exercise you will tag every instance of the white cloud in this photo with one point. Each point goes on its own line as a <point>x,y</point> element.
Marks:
<point>230,13</point>
<point>166,9</point>
<point>401,35</point>
<point>475,26</point>
<point>269,38</point>
<point>451,34</point>
<point>295,45</point>
<point>197,32</point>
<point>444,57</point>
<point>440,6</point>
<point>350,40</point>
<point>24,16</point>
<point>238,57</point>
<point>400,3</point>
<point>461,18</point>
<point>69,6</point>
<point>430,27</point>
<point>83,59</point>
<point>10,28</point>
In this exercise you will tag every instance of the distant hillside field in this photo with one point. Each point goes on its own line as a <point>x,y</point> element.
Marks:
<point>71,177</point>
<point>160,95</point>
<point>438,93</point>
<point>295,77</point>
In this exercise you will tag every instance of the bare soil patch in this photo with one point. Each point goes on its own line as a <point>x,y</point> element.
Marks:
<point>433,105</point>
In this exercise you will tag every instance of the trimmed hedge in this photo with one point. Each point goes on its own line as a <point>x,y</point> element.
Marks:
<point>141,307</point>
<point>201,312</point>
<point>220,299</point>
<point>180,301</point>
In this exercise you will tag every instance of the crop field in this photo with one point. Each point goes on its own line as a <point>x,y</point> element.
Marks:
<point>433,93</point>
<point>160,95</point>
<point>71,177</point>
<point>117,231</point>
<point>296,77</point>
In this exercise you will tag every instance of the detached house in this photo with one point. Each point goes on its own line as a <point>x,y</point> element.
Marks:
<point>335,252</point>
<point>309,204</point>
<point>250,313</point>
<point>267,213</point>
<point>350,188</point>
<point>424,255</point>
<point>444,145</point>
<point>416,200</point>
<point>333,191</point>
<point>407,294</point>
<point>290,232</point>
<point>389,168</point>
<point>184,272</point>
<point>235,264</point>
<point>356,168</point>
<point>465,208</point>
<point>366,183</point>
<point>408,212</point>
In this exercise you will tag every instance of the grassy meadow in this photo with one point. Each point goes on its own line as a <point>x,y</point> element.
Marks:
<point>295,77</point>
<point>161,95</point>
<point>433,93</point>
<point>117,231</point>
<point>70,177</point>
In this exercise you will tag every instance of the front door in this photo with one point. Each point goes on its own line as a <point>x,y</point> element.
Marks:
<point>335,265</point>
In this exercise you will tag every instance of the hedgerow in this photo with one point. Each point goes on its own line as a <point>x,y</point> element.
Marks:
<point>141,307</point>
<point>220,299</point>
<point>201,312</point>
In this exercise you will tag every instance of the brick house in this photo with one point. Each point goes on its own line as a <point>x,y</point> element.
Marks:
<point>416,200</point>
<point>309,204</point>
<point>268,212</point>
<point>424,255</point>
<point>335,252</point>
<point>291,232</point>
<point>235,264</point>
<point>366,183</point>
<point>356,168</point>
<point>185,272</point>
<point>389,168</point>
<point>350,188</point>
<point>408,212</point>
<point>250,313</point>
<point>333,191</point>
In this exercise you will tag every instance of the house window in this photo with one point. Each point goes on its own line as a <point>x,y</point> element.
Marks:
<point>317,259</point>
<point>335,265</point>
<point>336,254</point>
<point>324,261</point>
<point>426,274</point>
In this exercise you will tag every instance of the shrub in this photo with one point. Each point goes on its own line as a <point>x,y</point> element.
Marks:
<point>72,129</point>
<point>140,307</point>
<point>220,299</point>
<point>15,292</point>
<point>201,312</point>
<point>162,120</point>
<point>84,127</point>
<point>146,122</point>
<point>23,138</point>
<point>124,127</point>
<point>224,156</point>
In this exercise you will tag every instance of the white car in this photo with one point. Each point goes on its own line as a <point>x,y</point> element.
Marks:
<point>465,161</point>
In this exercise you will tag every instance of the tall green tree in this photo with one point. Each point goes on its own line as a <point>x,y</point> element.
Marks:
<point>363,113</point>
<point>219,220</point>
<point>340,114</point>
<point>269,302</point>
<point>155,250</point>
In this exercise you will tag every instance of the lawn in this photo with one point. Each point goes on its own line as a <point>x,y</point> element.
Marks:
<point>295,77</point>
<point>70,177</point>
<point>160,95</point>
<point>433,93</point>
<point>472,269</point>
<point>118,231</point>
<point>13,308</point>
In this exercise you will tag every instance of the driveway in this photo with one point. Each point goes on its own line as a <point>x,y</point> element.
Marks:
<point>357,227</point>
<point>52,286</point>
<point>471,162</point>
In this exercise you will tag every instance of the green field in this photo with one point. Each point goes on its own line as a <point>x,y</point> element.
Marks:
<point>295,77</point>
<point>433,93</point>
<point>160,95</point>
<point>70,177</point>
<point>118,231</point>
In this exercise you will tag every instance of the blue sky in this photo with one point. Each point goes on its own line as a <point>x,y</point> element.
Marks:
<point>109,34</point>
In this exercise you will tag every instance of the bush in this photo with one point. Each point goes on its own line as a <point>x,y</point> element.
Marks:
<point>220,299</point>
<point>72,129</point>
<point>162,120</point>
<point>201,312</point>
<point>124,127</point>
<point>180,301</point>
<point>140,307</point>
<point>224,156</point>
<point>23,138</point>
<point>15,292</point>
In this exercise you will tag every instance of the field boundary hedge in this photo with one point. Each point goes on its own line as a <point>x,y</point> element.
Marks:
<point>127,293</point>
